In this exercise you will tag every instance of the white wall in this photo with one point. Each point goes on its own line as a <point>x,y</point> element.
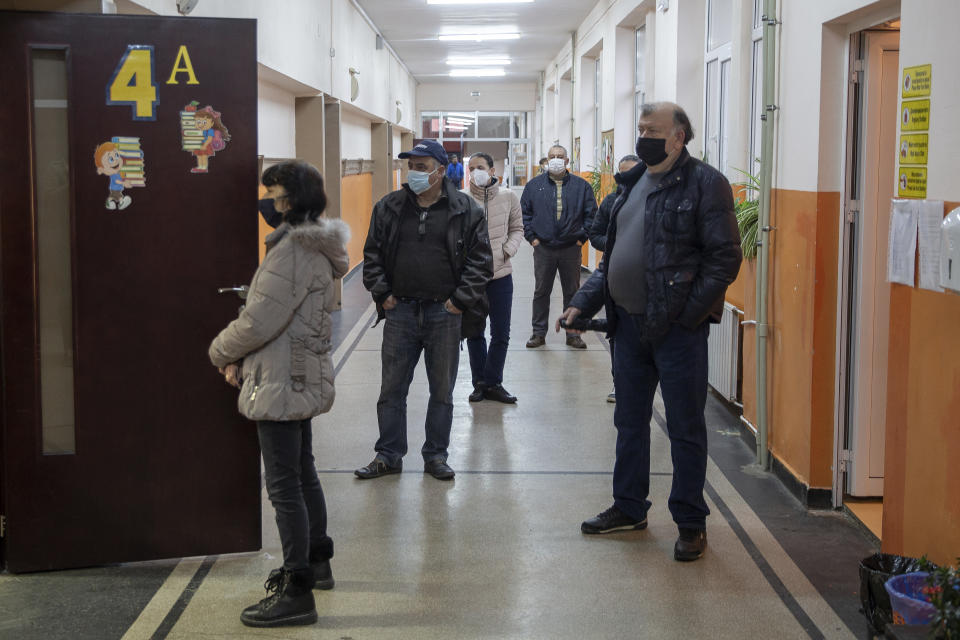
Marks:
<point>276,122</point>
<point>493,97</point>
<point>355,135</point>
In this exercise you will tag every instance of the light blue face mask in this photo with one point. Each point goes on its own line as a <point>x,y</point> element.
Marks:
<point>419,181</point>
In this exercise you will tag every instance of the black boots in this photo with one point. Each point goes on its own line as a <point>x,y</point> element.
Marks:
<point>289,601</point>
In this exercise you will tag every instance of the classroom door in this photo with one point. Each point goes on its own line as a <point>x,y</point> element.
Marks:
<point>128,183</point>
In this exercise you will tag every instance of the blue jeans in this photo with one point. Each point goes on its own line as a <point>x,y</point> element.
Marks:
<point>487,367</point>
<point>295,492</point>
<point>678,362</point>
<point>413,327</point>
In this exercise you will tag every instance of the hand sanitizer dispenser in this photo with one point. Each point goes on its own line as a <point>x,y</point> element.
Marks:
<point>950,251</point>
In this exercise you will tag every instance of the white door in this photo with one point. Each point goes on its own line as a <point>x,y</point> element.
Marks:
<point>871,323</point>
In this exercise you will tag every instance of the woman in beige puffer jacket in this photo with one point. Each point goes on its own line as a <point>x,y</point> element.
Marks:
<point>278,351</point>
<point>501,208</point>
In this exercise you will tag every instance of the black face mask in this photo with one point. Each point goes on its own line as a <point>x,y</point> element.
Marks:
<point>652,151</point>
<point>270,215</point>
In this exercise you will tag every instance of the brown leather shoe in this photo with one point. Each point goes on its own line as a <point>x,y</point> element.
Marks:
<point>536,341</point>
<point>576,342</point>
<point>690,545</point>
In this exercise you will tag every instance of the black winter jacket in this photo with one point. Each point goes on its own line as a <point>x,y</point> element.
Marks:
<point>467,244</point>
<point>692,245</point>
<point>601,222</point>
<point>539,206</point>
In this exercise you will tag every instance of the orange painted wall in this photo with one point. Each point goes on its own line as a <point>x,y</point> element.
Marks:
<point>263,227</point>
<point>921,513</point>
<point>356,206</point>
<point>801,318</point>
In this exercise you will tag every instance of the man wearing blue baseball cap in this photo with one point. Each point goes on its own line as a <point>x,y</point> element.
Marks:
<point>426,260</point>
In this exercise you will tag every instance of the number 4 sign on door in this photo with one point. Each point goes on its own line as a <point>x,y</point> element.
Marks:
<point>133,82</point>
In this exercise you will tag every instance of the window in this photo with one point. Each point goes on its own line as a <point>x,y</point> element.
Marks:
<point>717,67</point>
<point>597,92</point>
<point>639,76</point>
<point>493,126</point>
<point>756,88</point>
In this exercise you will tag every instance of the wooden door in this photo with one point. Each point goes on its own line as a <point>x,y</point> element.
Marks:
<point>120,442</point>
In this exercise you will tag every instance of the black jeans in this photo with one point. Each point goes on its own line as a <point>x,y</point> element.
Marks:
<point>487,366</point>
<point>678,362</point>
<point>295,492</point>
<point>546,263</point>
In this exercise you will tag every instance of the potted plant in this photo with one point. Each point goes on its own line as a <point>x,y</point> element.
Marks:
<point>747,209</point>
<point>943,592</point>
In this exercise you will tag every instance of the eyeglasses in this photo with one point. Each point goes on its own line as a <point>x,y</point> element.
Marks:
<point>422,229</point>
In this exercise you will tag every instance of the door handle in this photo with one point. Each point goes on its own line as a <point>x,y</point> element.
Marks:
<point>240,291</point>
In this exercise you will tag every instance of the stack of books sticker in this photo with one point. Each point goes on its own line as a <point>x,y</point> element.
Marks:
<point>131,155</point>
<point>191,135</point>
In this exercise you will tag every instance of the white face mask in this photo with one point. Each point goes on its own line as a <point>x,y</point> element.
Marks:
<point>556,165</point>
<point>480,177</point>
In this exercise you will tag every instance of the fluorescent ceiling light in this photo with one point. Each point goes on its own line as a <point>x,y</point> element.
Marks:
<point>460,114</point>
<point>476,73</point>
<point>478,37</point>
<point>478,1</point>
<point>463,123</point>
<point>477,61</point>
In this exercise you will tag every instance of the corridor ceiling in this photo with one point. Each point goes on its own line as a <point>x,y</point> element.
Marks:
<point>413,27</point>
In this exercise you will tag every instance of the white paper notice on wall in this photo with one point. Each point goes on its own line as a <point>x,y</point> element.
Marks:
<point>930,218</point>
<point>902,252</point>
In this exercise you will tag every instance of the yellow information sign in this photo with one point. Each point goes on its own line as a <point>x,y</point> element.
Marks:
<point>912,182</point>
<point>915,115</point>
<point>913,148</point>
<point>917,81</point>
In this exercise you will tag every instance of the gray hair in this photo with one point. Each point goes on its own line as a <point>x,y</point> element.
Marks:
<point>680,119</point>
<point>559,146</point>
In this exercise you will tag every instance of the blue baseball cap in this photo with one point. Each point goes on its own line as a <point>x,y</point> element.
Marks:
<point>428,149</point>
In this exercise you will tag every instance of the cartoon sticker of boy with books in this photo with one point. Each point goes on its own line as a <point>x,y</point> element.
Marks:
<point>121,160</point>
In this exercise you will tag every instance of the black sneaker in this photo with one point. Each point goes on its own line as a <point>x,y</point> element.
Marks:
<point>289,601</point>
<point>499,394</point>
<point>322,575</point>
<point>378,467</point>
<point>690,545</point>
<point>439,469</point>
<point>478,390</point>
<point>611,520</point>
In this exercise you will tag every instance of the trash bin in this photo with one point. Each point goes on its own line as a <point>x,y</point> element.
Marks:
<point>907,600</point>
<point>874,573</point>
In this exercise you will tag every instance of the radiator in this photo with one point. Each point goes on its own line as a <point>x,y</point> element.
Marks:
<point>724,353</point>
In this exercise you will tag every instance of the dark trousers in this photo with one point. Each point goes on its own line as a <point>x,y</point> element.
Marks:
<point>295,492</point>
<point>678,362</point>
<point>546,263</point>
<point>413,327</point>
<point>487,366</point>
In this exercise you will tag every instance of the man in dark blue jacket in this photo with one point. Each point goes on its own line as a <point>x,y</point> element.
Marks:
<point>558,209</point>
<point>672,249</point>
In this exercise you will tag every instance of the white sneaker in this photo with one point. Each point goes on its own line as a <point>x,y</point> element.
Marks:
<point>111,204</point>
<point>125,202</point>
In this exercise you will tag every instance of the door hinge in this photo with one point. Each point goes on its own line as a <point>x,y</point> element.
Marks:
<point>3,526</point>
<point>853,208</point>
<point>844,460</point>
<point>856,75</point>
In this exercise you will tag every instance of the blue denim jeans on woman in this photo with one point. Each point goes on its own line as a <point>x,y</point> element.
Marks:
<point>487,366</point>
<point>678,362</point>
<point>413,327</point>
<point>294,490</point>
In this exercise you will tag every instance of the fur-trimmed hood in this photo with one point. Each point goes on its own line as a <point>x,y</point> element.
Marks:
<point>328,236</point>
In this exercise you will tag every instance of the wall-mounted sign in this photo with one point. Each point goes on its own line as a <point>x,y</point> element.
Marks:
<point>913,148</point>
<point>915,115</point>
<point>912,182</point>
<point>917,81</point>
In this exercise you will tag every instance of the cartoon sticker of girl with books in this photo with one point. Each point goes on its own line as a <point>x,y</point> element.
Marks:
<point>203,134</point>
<point>121,160</point>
